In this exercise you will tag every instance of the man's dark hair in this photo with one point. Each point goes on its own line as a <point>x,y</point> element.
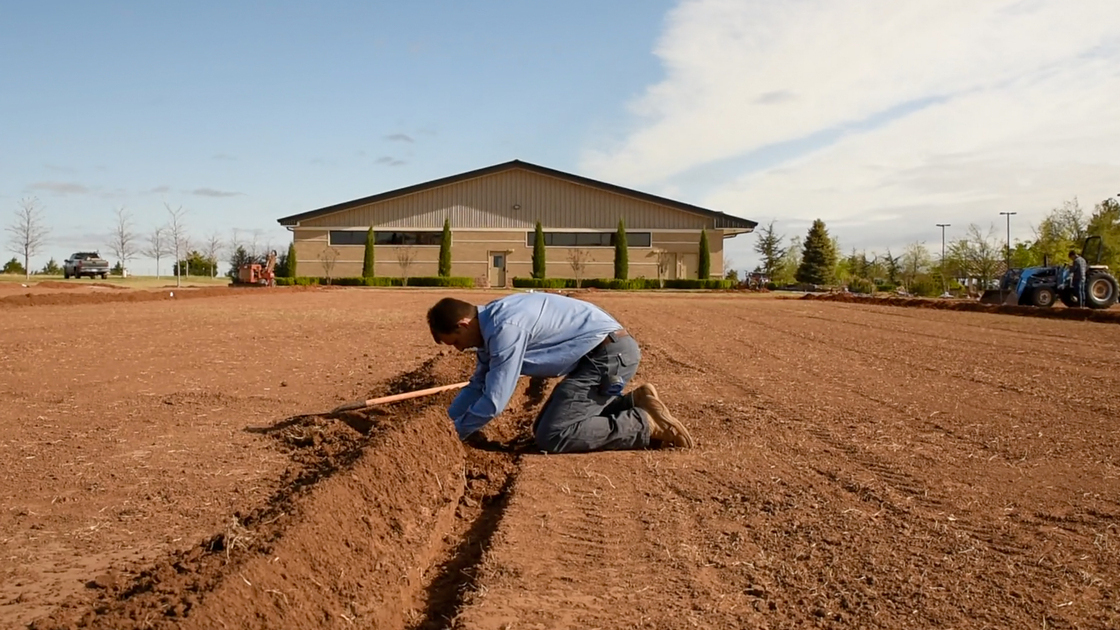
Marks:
<point>1072,253</point>
<point>444,317</point>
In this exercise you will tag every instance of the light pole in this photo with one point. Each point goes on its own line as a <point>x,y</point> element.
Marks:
<point>944,288</point>
<point>1008,236</point>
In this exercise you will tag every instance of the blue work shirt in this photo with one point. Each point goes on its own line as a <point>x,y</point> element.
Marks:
<point>531,334</point>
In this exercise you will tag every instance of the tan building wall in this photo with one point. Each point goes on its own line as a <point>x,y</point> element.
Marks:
<point>493,211</point>
<point>473,255</point>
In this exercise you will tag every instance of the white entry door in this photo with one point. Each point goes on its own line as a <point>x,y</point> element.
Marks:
<point>497,269</point>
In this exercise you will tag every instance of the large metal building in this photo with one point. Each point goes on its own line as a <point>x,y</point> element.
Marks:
<point>493,212</point>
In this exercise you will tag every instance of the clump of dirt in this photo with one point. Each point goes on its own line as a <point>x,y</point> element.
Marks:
<point>1110,316</point>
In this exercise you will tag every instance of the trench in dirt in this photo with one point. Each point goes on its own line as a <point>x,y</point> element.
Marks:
<point>381,521</point>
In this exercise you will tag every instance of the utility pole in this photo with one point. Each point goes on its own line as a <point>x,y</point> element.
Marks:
<point>1009,236</point>
<point>944,287</point>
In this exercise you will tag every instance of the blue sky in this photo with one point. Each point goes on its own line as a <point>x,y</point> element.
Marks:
<point>878,118</point>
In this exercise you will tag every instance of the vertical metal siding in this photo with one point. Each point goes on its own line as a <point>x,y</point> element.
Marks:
<point>487,202</point>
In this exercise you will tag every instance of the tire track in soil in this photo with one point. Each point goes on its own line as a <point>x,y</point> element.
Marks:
<point>585,550</point>
<point>209,585</point>
<point>911,503</point>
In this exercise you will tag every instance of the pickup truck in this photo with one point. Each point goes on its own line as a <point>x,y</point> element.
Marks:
<point>85,264</point>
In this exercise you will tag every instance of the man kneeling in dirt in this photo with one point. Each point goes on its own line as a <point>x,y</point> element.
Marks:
<point>549,335</point>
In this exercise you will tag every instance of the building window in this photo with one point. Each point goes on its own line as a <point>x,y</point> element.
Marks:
<point>348,237</point>
<point>588,239</point>
<point>358,237</point>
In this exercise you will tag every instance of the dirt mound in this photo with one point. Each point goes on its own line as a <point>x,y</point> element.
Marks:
<point>55,284</point>
<point>1111,316</point>
<point>381,528</point>
<point>56,299</point>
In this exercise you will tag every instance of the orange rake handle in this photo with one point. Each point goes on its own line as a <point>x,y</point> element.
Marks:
<point>362,404</point>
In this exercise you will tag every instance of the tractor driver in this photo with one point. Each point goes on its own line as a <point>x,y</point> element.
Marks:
<point>548,335</point>
<point>1077,276</point>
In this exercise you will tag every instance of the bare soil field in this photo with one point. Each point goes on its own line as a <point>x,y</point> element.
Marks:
<point>1109,315</point>
<point>857,466</point>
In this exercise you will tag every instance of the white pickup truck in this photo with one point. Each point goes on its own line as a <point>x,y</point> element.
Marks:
<point>85,264</point>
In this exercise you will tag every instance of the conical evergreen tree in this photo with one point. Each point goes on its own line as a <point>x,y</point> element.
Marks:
<point>367,262</point>
<point>704,268</point>
<point>445,249</point>
<point>818,258</point>
<point>621,253</point>
<point>538,252</point>
<point>291,266</point>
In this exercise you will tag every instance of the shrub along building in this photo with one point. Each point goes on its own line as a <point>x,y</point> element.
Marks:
<point>493,213</point>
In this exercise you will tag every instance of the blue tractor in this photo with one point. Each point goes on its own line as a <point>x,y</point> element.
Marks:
<point>1041,286</point>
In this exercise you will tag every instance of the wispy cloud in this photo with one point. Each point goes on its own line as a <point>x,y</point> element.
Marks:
<point>878,116</point>
<point>60,169</point>
<point>210,192</point>
<point>160,189</point>
<point>399,137</point>
<point>225,157</point>
<point>60,188</point>
<point>389,161</point>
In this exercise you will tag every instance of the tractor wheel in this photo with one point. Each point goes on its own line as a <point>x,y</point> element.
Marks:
<point>1100,290</point>
<point>1042,297</point>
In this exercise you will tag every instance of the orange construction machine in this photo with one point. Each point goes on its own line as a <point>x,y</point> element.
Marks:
<point>258,274</point>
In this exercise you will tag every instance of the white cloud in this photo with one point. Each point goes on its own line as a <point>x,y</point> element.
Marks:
<point>880,117</point>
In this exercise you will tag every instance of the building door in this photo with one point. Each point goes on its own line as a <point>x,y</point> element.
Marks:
<point>688,265</point>
<point>497,269</point>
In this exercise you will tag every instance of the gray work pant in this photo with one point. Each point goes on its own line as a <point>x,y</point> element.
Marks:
<point>580,417</point>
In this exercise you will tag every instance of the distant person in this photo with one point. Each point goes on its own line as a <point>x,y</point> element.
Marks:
<point>269,273</point>
<point>549,335</point>
<point>1077,278</point>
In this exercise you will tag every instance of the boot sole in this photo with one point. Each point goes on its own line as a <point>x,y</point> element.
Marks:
<point>663,412</point>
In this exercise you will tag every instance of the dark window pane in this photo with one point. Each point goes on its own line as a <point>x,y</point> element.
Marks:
<point>347,237</point>
<point>407,238</point>
<point>588,239</point>
<point>638,239</point>
<point>633,239</point>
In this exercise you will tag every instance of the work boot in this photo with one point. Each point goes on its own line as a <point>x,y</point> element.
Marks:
<point>662,425</point>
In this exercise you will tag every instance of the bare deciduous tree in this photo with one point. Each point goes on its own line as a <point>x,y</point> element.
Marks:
<point>328,257</point>
<point>123,241</point>
<point>405,256</point>
<point>578,259</point>
<point>978,256</point>
<point>915,261</point>
<point>157,246</point>
<point>664,259</point>
<point>213,250</point>
<point>177,233</point>
<point>28,232</point>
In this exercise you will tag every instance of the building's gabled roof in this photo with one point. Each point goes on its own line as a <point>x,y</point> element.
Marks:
<point>722,221</point>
